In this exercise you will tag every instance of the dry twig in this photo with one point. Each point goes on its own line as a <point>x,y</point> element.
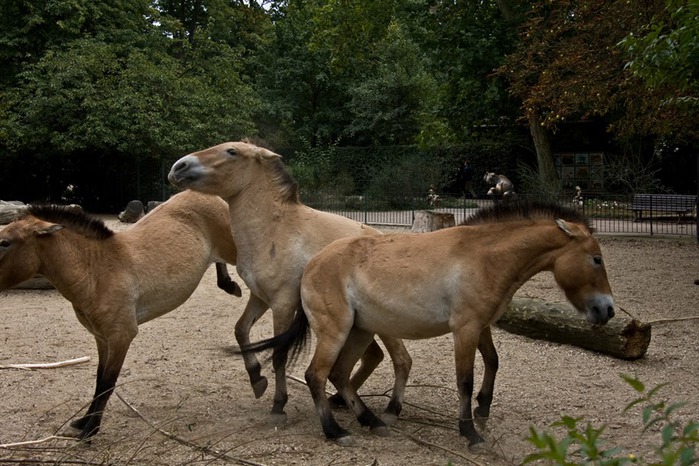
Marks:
<point>183,441</point>
<point>36,442</point>
<point>48,365</point>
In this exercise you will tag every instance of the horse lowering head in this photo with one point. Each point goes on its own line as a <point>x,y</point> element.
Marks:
<point>19,252</point>
<point>226,169</point>
<point>21,241</point>
<point>579,270</point>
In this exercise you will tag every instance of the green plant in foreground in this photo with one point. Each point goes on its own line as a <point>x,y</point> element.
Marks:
<point>585,445</point>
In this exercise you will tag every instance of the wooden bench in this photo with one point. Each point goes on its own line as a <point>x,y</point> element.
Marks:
<point>681,204</point>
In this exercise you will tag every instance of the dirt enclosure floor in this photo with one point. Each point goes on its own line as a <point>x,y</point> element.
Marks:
<point>181,378</point>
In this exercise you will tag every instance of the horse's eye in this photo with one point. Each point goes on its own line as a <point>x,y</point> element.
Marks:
<point>4,243</point>
<point>597,260</point>
<point>232,151</point>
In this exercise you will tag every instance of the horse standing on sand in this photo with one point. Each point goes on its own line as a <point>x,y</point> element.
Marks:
<point>119,280</point>
<point>276,236</point>
<point>416,286</point>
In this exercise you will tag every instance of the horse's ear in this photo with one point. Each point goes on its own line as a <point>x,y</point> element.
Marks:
<point>267,154</point>
<point>52,228</point>
<point>570,229</point>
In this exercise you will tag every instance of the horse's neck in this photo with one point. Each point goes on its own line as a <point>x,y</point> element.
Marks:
<point>257,213</point>
<point>521,252</point>
<point>68,261</point>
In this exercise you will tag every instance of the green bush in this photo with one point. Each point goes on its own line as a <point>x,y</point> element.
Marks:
<point>585,445</point>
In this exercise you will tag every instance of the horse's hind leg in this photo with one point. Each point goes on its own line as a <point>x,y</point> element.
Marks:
<point>402,362</point>
<point>254,309</point>
<point>353,348</point>
<point>370,360</point>
<point>491,362</point>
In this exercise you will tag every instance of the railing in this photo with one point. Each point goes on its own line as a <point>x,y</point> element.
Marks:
<point>613,214</point>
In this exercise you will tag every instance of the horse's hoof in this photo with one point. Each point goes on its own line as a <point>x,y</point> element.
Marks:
<point>475,442</point>
<point>381,431</point>
<point>478,448</point>
<point>277,419</point>
<point>260,387</point>
<point>79,423</point>
<point>345,441</point>
<point>480,422</point>
<point>389,419</point>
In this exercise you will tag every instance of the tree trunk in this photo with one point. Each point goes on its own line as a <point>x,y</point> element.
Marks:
<point>428,220</point>
<point>544,155</point>
<point>621,337</point>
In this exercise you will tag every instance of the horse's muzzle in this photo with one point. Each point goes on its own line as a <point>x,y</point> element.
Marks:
<point>600,309</point>
<point>184,171</point>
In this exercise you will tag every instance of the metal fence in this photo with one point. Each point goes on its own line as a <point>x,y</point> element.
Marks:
<point>613,214</point>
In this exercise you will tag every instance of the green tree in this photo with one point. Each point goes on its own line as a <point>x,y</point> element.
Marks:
<point>397,98</point>
<point>568,66</point>
<point>113,81</point>
<point>665,55</point>
<point>466,41</point>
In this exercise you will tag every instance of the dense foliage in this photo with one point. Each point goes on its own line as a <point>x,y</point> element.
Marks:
<point>98,97</point>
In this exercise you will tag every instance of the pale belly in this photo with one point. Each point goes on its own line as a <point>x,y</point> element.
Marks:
<point>405,322</point>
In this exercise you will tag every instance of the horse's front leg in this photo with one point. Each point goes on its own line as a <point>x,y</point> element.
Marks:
<point>465,344</point>
<point>491,363</point>
<point>112,353</point>
<point>254,309</point>
<point>402,362</point>
<point>81,422</point>
<point>225,282</point>
<point>282,318</point>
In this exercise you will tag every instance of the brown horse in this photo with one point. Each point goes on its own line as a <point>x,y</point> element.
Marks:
<point>276,236</point>
<point>456,280</point>
<point>117,281</point>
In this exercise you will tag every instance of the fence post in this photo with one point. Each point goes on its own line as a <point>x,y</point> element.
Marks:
<point>366,213</point>
<point>651,213</point>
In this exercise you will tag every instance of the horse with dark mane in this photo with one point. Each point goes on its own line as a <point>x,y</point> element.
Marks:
<point>422,285</point>
<point>276,236</point>
<point>119,280</point>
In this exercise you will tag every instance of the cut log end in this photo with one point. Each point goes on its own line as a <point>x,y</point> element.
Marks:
<point>429,220</point>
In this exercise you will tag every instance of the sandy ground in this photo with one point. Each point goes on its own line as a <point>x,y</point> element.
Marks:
<point>182,379</point>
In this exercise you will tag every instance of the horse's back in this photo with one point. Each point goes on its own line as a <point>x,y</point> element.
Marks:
<point>187,220</point>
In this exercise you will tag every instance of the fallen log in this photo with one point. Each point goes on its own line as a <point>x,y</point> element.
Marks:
<point>621,337</point>
<point>38,282</point>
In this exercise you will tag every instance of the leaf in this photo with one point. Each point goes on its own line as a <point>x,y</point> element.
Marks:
<point>634,382</point>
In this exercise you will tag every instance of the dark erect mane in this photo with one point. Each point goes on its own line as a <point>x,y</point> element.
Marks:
<point>527,210</point>
<point>288,186</point>
<point>70,218</point>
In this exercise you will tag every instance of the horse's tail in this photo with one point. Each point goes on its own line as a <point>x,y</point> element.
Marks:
<point>293,340</point>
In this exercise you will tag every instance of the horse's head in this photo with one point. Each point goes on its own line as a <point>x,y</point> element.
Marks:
<point>222,170</point>
<point>19,249</point>
<point>579,270</point>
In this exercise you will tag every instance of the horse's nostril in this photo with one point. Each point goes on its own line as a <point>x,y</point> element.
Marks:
<point>180,166</point>
<point>610,311</point>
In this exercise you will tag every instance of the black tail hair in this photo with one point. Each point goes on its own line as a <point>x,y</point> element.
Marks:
<point>294,339</point>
